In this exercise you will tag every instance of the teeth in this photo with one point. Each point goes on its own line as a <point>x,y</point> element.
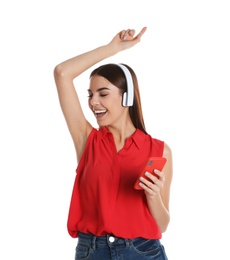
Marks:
<point>99,111</point>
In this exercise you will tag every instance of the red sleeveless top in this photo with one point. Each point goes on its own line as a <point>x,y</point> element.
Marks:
<point>104,200</point>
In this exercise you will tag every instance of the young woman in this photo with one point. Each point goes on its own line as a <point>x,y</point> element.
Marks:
<point>110,218</point>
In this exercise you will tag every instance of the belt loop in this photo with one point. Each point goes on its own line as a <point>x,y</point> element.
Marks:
<point>94,242</point>
<point>127,242</point>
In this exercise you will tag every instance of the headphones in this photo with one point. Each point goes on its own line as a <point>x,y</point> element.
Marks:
<point>128,97</point>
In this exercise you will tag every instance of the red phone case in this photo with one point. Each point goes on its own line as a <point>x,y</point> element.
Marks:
<point>152,164</point>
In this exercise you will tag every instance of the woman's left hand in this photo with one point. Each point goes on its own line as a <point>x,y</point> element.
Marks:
<point>152,185</point>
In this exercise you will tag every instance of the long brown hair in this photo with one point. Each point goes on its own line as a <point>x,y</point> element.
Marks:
<point>115,75</point>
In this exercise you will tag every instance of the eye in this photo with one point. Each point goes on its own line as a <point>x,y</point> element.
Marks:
<point>90,94</point>
<point>103,95</point>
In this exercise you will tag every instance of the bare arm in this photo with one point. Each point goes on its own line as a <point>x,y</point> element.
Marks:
<point>67,71</point>
<point>158,192</point>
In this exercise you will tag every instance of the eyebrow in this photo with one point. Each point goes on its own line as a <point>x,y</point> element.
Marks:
<point>99,89</point>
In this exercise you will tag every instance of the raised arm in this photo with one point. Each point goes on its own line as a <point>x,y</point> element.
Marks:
<point>67,71</point>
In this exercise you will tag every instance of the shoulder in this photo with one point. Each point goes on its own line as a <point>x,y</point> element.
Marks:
<point>149,137</point>
<point>96,134</point>
<point>167,153</point>
<point>155,141</point>
<point>167,149</point>
<point>156,144</point>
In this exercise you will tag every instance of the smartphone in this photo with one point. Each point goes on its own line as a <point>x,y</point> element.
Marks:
<point>152,164</point>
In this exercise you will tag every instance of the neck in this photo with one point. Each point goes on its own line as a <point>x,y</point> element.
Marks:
<point>121,133</point>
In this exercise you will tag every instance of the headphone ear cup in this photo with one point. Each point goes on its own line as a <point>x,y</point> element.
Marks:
<point>124,99</point>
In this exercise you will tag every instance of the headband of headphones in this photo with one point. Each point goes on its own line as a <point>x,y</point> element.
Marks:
<point>128,97</point>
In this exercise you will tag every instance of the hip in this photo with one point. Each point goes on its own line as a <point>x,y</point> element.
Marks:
<point>90,247</point>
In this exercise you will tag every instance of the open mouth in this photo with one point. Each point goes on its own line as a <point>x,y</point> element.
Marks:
<point>99,113</point>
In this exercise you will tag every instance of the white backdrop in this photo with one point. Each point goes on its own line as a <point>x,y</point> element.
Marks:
<point>182,63</point>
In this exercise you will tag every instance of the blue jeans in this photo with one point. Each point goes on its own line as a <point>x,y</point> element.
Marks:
<point>109,247</point>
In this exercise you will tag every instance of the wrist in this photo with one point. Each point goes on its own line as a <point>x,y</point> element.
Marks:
<point>112,48</point>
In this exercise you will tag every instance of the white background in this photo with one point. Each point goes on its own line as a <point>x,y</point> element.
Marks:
<point>182,63</point>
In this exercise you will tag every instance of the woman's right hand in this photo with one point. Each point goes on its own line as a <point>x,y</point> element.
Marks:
<point>126,39</point>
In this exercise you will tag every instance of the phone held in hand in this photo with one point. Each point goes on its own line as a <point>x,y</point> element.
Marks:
<point>152,164</point>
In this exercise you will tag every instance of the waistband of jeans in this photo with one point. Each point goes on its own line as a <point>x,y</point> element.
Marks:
<point>109,239</point>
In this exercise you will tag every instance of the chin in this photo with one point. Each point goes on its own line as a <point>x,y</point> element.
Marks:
<point>101,124</point>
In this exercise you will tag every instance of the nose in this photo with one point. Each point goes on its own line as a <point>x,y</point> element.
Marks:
<point>94,101</point>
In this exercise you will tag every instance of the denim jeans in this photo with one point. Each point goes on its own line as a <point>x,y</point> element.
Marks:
<point>109,247</point>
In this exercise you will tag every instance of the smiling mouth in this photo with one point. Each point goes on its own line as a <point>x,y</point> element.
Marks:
<point>99,113</point>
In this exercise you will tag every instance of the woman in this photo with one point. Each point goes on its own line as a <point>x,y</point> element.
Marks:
<point>110,218</point>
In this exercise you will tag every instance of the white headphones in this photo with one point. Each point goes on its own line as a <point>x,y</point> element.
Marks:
<point>128,97</point>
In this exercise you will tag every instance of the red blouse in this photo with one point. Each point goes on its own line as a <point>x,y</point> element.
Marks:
<point>104,200</point>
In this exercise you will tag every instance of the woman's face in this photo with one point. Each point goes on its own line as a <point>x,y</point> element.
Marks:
<point>105,101</point>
